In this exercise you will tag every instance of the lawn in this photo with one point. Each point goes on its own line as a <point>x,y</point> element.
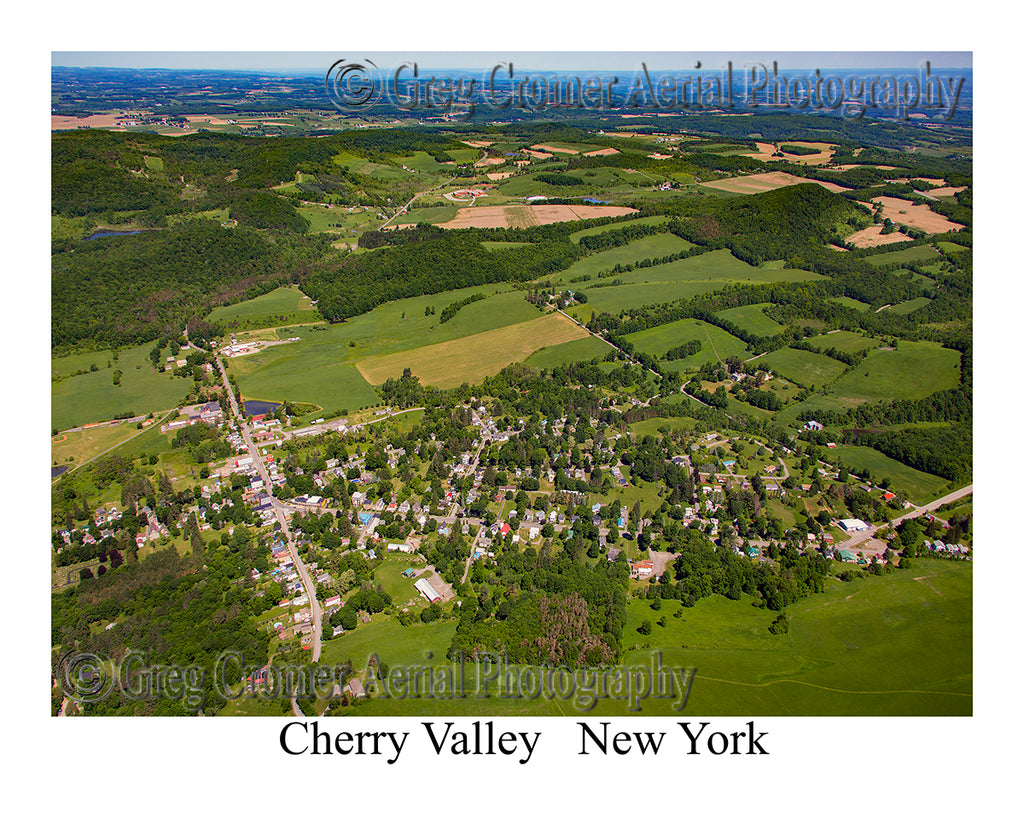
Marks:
<point>92,396</point>
<point>803,368</point>
<point>752,319</point>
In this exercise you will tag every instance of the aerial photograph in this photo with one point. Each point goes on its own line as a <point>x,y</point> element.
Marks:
<point>488,385</point>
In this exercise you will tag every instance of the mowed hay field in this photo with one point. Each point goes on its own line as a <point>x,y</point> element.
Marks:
<point>527,215</point>
<point>683,278</point>
<point>912,215</point>
<point>716,343</point>
<point>582,349</point>
<point>914,370</point>
<point>761,182</point>
<point>319,368</point>
<point>469,359</point>
<point>751,318</point>
<point>648,247</point>
<point>803,368</point>
<point>844,341</point>
<point>92,396</point>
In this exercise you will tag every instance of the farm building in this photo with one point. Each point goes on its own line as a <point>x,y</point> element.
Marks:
<point>853,525</point>
<point>423,587</point>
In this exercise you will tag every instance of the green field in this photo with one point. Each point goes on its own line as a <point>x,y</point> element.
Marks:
<point>684,278</point>
<point>583,349</point>
<point>848,302</point>
<point>914,370</point>
<point>716,343</point>
<point>752,319</point>
<point>920,253</point>
<point>905,307</point>
<point>594,231</point>
<point>320,368</point>
<point>283,305</point>
<point>392,642</point>
<point>861,648</point>
<point>844,341</point>
<point>647,247</point>
<point>914,484</point>
<point>89,397</point>
<point>803,368</point>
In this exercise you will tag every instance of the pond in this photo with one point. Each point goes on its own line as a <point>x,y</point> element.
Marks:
<point>102,234</point>
<point>259,407</point>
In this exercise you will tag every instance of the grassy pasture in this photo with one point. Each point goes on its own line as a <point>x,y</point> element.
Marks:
<point>647,247</point>
<point>683,278</point>
<point>920,253</point>
<point>89,397</point>
<point>469,359</point>
<point>905,307</point>
<point>862,648</point>
<point>802,367</point>
<point>582,349</point>
<point>282,301</point>
<point>319,370</point>
<point>853,303</point>
<point>594,231</point>
<point>716,343</point>
<point>752,319</point>
<point>916,485</point>
<point>844,341</point>
<point>74,448</point>
<point>914,370</point>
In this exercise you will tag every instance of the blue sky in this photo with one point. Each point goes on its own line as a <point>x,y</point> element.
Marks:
<point>316,62</point>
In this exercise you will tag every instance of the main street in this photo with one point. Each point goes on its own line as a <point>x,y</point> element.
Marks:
<point>279,511</point>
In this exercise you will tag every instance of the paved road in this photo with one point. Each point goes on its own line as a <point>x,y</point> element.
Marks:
<point>279,511</point>
<point>915,511</point>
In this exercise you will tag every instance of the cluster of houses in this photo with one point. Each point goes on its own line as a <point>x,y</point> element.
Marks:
<point>209,413</point>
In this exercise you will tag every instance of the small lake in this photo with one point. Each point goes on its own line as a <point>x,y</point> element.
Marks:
<point>57,470</point>
<point>102,234</point>
<point>259,407</point>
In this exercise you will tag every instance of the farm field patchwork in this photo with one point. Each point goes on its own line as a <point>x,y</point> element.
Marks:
<point>92,396</point>
<point>770,181</point>
<point>527,215</point>
<point>469,359</point>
